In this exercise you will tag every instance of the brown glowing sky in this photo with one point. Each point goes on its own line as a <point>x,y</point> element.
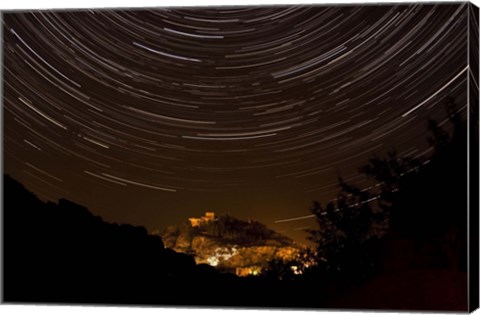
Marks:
<point>149,117</point>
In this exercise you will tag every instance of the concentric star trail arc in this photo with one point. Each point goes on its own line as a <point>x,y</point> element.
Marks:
<point>154,115</point>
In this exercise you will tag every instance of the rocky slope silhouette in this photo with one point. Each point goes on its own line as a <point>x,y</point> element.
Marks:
<point>62,253</point>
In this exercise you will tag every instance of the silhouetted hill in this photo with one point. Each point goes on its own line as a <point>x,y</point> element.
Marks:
<point>63,253</point>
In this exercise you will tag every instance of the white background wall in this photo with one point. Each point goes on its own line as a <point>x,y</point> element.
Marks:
<point>77,310</point>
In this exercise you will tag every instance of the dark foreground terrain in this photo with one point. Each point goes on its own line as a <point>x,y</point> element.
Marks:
<point>61,253</point>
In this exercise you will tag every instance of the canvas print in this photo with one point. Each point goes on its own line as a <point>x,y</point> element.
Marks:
<point>300,156</point>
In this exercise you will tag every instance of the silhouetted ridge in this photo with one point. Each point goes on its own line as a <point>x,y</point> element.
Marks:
<point>63,253</point>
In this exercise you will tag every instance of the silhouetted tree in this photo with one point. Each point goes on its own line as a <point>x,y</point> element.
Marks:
<point>421,200</point>
<point>347,229</point>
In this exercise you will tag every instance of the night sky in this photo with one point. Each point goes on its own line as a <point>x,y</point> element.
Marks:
<point>148,117</point>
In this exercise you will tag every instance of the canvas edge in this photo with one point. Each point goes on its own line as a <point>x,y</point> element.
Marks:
<point>473,153</point>
<point>1,159</point>
<point>473,157</point>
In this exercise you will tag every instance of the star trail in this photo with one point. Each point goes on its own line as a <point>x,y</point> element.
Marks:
<point>149,116</point>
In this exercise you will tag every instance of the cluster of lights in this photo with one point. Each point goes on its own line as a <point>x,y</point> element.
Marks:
<point>222,254</point>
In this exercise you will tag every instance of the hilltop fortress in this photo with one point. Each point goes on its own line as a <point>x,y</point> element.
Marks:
<point>208,217</point>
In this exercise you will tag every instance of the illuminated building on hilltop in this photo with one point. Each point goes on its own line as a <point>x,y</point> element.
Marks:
<point>208,217</point>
